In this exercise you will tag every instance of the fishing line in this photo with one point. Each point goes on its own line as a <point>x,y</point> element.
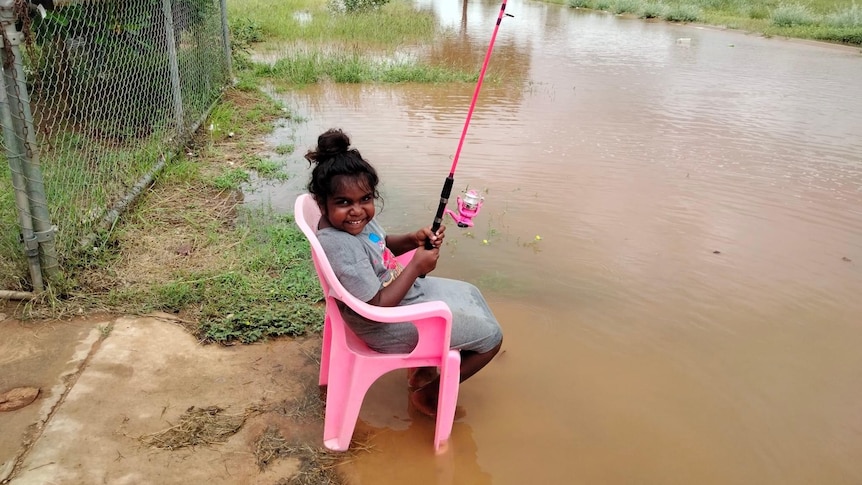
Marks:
<point>450,180</point>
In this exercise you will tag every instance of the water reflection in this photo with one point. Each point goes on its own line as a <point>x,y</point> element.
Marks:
<point>691,311</point>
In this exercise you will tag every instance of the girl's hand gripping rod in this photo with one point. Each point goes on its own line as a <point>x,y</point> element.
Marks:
<point>447,184</point>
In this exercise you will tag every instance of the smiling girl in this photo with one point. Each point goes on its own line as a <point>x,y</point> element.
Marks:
<point>344,185</point>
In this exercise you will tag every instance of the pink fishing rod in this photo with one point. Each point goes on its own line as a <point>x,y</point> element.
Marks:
<point>450,180</point>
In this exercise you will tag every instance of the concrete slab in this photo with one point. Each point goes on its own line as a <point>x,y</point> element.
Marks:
<point>46,355</point>
<point>139,380</point>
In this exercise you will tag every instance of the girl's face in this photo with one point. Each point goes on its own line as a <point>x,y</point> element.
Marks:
<point>351,205</point>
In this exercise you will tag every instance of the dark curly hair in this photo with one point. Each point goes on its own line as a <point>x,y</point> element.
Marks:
<point>336,164</point>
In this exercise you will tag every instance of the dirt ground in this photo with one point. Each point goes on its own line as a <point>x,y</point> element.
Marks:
<point>118,396</point>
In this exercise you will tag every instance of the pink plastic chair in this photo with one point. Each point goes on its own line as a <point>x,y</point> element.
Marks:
<point>348,367</point>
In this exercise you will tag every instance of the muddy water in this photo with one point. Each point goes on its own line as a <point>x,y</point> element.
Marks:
<point>691,312</point>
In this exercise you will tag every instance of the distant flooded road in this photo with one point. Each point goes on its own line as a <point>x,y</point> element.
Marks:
<point>673,217</point>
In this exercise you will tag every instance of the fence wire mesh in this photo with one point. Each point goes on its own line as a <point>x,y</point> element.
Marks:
<point>114,86</point>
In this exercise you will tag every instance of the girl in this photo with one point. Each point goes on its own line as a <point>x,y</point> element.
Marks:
<point>363,257</point>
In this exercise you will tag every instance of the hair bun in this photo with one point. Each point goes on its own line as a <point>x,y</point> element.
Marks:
<point>332,142</point>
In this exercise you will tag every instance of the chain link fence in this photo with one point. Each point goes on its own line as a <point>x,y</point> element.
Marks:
<point>99,95</point>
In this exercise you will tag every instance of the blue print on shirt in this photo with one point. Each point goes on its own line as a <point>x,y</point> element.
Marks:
<point>389,262</point>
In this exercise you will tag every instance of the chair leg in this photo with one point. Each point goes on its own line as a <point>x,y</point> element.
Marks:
<point>447,399</point>
<point>344,397</point>
<point>325,347</point>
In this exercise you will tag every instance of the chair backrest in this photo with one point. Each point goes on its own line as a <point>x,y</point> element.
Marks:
<point>307,216</point>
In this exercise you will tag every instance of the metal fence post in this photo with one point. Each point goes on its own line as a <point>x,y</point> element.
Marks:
<point>225,27</point>
<point>15,155</point>
<point>175,68</point>
<point>19,100</point>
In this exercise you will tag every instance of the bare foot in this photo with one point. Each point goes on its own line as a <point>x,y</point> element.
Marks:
<point>419,377</point>
<point>425,400</point>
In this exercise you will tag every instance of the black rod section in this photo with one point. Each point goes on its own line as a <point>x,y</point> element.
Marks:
<point>444,199</point>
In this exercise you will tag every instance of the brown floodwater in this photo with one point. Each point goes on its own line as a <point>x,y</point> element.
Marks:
<point>673,217</point>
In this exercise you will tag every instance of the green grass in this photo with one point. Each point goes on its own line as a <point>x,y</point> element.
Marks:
<point>266,168</point>
<point>231,180</point>
<point>325,45</point>
<point>309,68</point>
<point>394,24</point>
<point>273,291</point>
<point>792,14</point>
<point>12,261</point>
<point>285,149</point>
<point>827,20</point>
<point>267,288</point>
<point>849,17</point>
<point>257,281</point>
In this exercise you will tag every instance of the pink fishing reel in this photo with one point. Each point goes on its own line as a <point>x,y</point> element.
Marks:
<point>468,208</point>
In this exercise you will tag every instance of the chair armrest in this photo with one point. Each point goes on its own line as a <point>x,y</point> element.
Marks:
<point>394,314</point>
<point>405,258</point>
<point>433,321</point>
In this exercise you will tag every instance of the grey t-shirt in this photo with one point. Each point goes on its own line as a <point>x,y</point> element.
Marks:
<point>355,259</point>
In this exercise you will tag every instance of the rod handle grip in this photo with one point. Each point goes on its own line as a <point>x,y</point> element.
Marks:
<point>441,208</point>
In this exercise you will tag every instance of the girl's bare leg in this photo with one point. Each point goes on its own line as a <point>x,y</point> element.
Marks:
<point>425,398</point>
<point>418,377</point>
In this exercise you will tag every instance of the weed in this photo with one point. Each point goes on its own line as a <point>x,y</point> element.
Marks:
<point>654,10</point>
<point>105,330</point>
<point>245,31</point>
<point>602,5</point>
<point>789,15</point>
<point>265,168</point>
<point>231,180</point>
<point>314,66</point>
<point>353,6</point>
<point>626,6</point>
<point>848,17</point>
<point>683,13</point>
<point>757,12</point>
<point>285,149</point>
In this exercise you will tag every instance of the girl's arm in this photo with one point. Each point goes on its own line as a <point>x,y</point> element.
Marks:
<point>402,243</point>
<point>392,294</point>
<point>423,262</point>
